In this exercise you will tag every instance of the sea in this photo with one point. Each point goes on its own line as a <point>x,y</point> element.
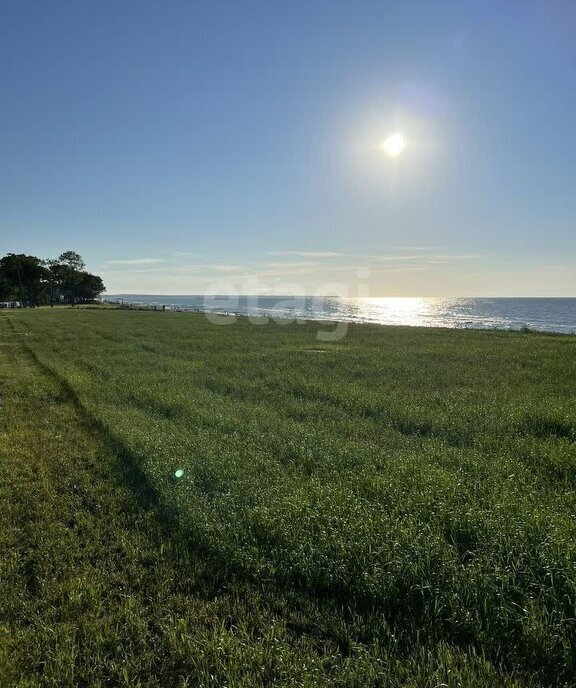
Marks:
<point>539,314</point>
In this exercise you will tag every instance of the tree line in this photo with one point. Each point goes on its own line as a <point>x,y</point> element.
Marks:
<point>32,281</point>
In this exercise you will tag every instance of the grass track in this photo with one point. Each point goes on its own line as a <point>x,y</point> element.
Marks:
<point>382,513</point>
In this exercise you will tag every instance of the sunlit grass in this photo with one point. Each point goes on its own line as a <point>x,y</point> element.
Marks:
<point>418,485</point>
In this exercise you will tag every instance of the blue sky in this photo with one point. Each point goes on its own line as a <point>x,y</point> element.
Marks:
<point>185,146</point>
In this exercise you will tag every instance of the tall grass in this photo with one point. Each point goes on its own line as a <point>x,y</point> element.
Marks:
<point>420,482</point>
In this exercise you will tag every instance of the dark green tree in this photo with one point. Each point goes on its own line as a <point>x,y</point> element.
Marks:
<point>90,287</point>
<point>71,267</point>
<point>33,281</point>
<point>6,289</point>
<point>52,279</point>
<point>72,260</point>
<point>24,275</point>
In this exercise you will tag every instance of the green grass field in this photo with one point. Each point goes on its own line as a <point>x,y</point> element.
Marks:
<point>393,509</point>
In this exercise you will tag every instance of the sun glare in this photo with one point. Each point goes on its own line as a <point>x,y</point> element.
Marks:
<point>394,145</point>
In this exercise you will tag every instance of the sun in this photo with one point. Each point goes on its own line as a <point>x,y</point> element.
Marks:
<point>394,145</point>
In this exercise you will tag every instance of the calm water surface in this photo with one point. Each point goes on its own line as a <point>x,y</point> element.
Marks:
<point>544,314</point>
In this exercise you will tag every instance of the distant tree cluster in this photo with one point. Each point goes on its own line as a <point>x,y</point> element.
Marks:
<point>32,281</point>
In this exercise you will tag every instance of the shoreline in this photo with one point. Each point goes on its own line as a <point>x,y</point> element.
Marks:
<point>523,329</point>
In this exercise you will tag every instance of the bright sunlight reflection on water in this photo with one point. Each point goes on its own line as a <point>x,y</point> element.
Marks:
<point>396,310</point>
<point>547,314</point>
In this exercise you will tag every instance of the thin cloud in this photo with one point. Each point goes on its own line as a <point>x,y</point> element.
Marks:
<point>466,256</point>
<point>187,254</point>
<point>306,254</point>
<point>152,267</point>
<point>433,258</point>
<point>288,270</point>
<point>136,261</point>
<point>283,272</point>
<point>418,248</point>
<point>395,258</point>
<point>401,268</point>
<point>224,267</point>
<point>293,264</point>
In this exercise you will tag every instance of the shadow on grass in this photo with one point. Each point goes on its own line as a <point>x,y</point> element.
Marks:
<point>338,613</point>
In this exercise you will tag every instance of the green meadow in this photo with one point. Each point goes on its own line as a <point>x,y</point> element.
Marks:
<point>396,508</point>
